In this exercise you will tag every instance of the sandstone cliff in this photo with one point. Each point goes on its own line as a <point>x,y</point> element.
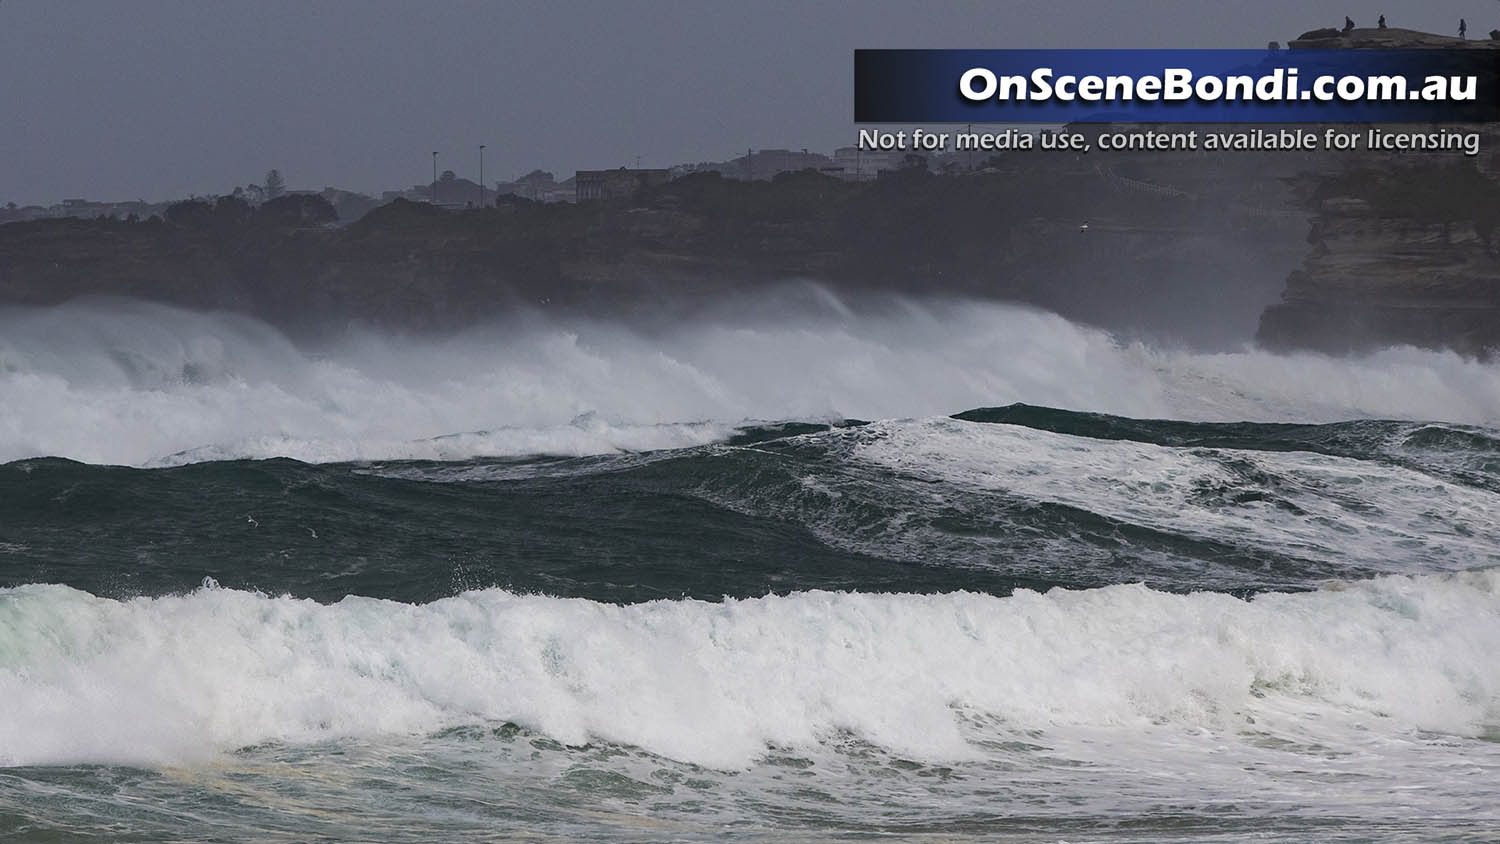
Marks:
<point>1403,246</point>
<point>1407,253</point>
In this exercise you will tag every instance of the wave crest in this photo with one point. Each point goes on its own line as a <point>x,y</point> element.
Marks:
<point>138,384</point>
<point>162,680</point>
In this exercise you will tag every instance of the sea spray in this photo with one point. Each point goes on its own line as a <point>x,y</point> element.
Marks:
<point>138,384</point>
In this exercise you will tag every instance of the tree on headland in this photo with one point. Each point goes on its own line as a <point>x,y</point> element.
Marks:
<point>231,211</point>
<point>275,185</point>
<point>189,213</point>
<point>448,176</point>
<point>297,210</point>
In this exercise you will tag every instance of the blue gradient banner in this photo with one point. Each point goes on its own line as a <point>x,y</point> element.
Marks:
<point>1148,86</point>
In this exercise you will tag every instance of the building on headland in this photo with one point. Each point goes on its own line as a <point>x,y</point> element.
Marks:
<point>453,192</point>
<point>622,183</point>
<point>857,164</point>
<point>82,209</point>
<point>760,164</point>
<point>538,186</point>
<point>767,163</point>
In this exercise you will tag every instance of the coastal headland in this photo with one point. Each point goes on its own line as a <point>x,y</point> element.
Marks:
<point>1298,246</point>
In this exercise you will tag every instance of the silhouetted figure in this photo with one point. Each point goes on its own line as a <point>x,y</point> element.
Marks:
<point>1381,23</point>
<point>1348,23</point>
<point>1463,28</point>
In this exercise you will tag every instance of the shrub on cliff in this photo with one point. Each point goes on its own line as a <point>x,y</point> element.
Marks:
<point>231,212</point>
<point>190,214</point>
<point>400,215</point>
<point>296,210</point>
<point>1435,192</point>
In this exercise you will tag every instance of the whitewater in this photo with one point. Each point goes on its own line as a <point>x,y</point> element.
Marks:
<point>167,680</point>
<point>141,384</point>
<point>785,568</point>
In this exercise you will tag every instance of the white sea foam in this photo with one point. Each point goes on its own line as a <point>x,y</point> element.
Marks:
<point>1304,505</point>
<point>141,384</point>
<point>167,680</point>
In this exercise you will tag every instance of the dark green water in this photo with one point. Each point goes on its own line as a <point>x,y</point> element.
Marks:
<point>1016,622</point>
<point>769,511</point>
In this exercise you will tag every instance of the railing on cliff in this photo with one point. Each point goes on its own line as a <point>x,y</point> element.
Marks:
<point>1120,184</point>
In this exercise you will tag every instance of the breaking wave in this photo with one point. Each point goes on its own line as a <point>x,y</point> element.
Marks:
<point>139,384</point>
<point>941,677</point>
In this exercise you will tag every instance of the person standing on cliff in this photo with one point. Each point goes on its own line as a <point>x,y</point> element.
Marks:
<point>1463,28</point>
<point>1380,23</point>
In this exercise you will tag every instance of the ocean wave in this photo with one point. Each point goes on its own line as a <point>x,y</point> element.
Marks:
<point>917,505</point>
<point>584,436</point>
<point>1301,505</point>
<point>169,680</point>
<point>139,384</point>
<point>1470,454</point>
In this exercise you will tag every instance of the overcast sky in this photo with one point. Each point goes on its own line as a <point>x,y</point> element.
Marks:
<point>157,99</point>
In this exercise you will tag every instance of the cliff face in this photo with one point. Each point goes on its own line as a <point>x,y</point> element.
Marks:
<point>1386,268</point>
<point>1403,246</point>
<point>1404,250</point>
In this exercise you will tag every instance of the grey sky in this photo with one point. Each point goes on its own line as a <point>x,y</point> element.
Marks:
<point>156,99</point>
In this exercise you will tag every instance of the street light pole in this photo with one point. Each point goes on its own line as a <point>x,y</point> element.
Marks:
<point>481,175</point>
<point>434,177</point>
